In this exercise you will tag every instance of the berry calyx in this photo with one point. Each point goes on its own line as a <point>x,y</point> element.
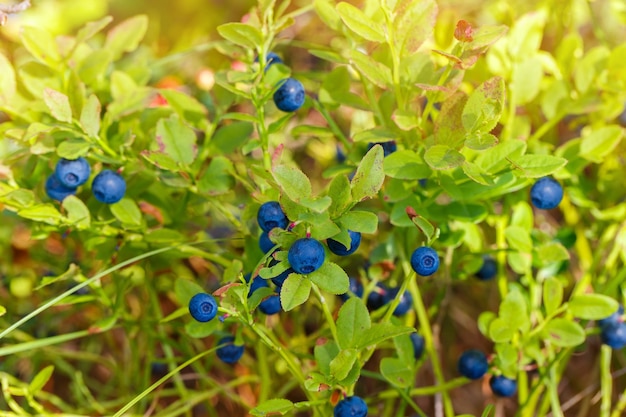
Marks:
<point>546,193</point>
<point>425,261</point>
<point>72,172</point>
<point>290,96</point>
<point>339,249</point>
<point>203,307</point>
<point>473,364</point>
<point>108,187</point>
<point>306,255</point>
<point>350,407</point>
<point>228,352</point>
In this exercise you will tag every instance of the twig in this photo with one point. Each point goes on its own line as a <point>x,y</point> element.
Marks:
<point>6,10</point>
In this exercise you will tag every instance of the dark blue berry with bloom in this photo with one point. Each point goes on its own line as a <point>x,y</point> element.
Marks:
<point>473,364</point>
<point>108,187</point>
<point>203,307</point>
<point>418,345</point>
<point>72,172</point>
<point>229,352</point>
<point>503,386</point>
<point>350,407</point>
<point>265,243</point>
<point>306,255</point>
<point>613,334</point>
<point>271,215</point>
<point>614,318</point>
<point>56,190</point>
<point>425,261</point>
<point>356,288</point>
<point>339,249</point>
<point>546,193</point>
<point>290,96</point>
<point>488,269</point>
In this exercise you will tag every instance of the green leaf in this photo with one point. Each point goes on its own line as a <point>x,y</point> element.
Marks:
<point>500,331</point>
<point>480,141</point>
<point>176,140</point>
<point>369,175</point>
<point>399,373</point>
<point>7,80</point>
<point>328,14</point>
<point>360,23</point>
<point>342,364</point>
<point>484,107</point>
<point>380,332</point>
<point>442,157</point>
<point>292,181</point>
<point>413,24</point>
<point>241,34</point>
<point>592,306</point>
<point>552,294</point>
<point>187,107</point>
<point>494,159</point>
<point>527,77</point>
<point>41,44</point>
<point>339,192</point>
<point>564,333</point>
<point>77,212</point>
<point>524,39</point>
<point>513,311</point>
<point>92,28</point>
<point>474,172</point>
<point>40,380</point>
<point>406,164</point>
<point>59,105</point>
<point>424,225</point>
<point>275,406</point>
<point>125,37</point>
<point>484,321</point>
<point>449,129</point>
<point>73,148</point>
<point>296,290</point>
<point>230,137</point>
<point>360,221</point>
<point>200,330</point>
<point>353,320</point>
<point>90,116</point>
<point>185,289</point>
<point>331,278</point>
<point>552,252</point>
<point>518,238</point>
<point>45,213</point>
<point>127,212</point>
<point>375,71</point>
<point>217,179</point>
<point>536,166</point>
<point>375,134</point>
<point>600,143</point>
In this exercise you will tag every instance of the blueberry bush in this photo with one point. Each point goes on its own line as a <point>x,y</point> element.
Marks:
<point>384,208</point>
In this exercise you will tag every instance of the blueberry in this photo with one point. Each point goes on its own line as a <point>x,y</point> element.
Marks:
<point>614,335</point>
<point>108,187</point>
<point>229,353</point>
<point>502,386</point>
<point>265,243</point>
<point>418,345</point>
<point>72,172</point>
<point>425,261</point>
<point>271,305</point>
<point>388,147</point>
<point>406,302</point>
<point>271,215</point>
<point>270,59</point>
<point>488,270</point>
<point>290,96</point>
<point>339,249</point>
<point>257,283</point>
<point>378,297</point>
<point>203,307</point>
<point>341,156</point>
<point>356,288</point>
<point>350,407</point>
<point>306,255</point>
<point>614,318</point>
<point>546,193</point>
<point>280,279</point>
<point>473,364</point>
<point>56,190</point>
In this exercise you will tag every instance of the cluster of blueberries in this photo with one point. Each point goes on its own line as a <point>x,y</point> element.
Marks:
<point>473,364</point>
<point>108,186</point>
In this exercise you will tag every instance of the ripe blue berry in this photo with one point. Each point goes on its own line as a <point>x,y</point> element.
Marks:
<point>378,297</point>
<point>271,215</point>
<point>350,407</point>
<point>425,261</point>
<point>614,335</point>
<point>406,302</point>
<point>108,187</point>
<point>56,190</point>
<point>203,307</point>
<point>270,59</point>
<point>72,172</point>
<point>265,243</point>
<point>229,352</point>
<point>271,305</point>
<point>388,147</point>
<point>418,345</point>
<point>546,193</point>
<point>488,270</point>
<point>290,96</point>
<point>356,288</point>
<point>306,255</point>
<point>473,364</point>
<point>280,279</point>
<point>614,318</point>
<point>339,249</point>
<point>502,386</point>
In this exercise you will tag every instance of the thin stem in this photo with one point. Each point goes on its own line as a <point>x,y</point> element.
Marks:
<point>606,380</point>
<point>327,314</point>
